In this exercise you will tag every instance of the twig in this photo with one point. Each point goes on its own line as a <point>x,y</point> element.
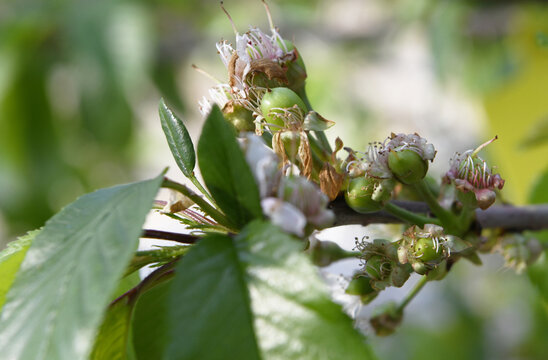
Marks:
<point>519,218</point>
<point>167,235</point>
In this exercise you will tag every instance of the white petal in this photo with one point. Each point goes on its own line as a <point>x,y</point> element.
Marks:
<point>285,215</point>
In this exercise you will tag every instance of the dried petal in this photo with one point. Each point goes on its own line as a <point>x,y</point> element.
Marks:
<point>330,181</point>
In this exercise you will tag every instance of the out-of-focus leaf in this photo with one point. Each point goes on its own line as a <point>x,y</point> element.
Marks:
<point>256,297</point>
<point>178,139</point>
<point>112,341</point>
<point>54,308</point>
<point>225,171</point>
<point>538,274</point>
<point>150,323</point>
<point>128,282</point>
<point>537,134</point>
<point>10,260</point>
<point>539,192</point>
<point>164,75</point>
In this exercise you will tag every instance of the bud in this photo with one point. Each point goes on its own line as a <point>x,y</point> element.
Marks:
<point>470,173</point>
<point>408,157</point>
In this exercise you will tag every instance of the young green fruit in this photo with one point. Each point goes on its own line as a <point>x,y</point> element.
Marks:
<point>361,285</point>
<point>291,141</point>
<point>240,117</point>
<point>296,71</point>
<point>425,250</point>
<point>378,268</point>
<point>275,99</point>
<point>407,166</point>
<point>420,268</point>
<point>358,195</point>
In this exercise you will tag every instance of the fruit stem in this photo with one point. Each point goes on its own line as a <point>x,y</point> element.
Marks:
<point>413,293</point>
<point>201,188</point>
<point>204,205</point>
<point>409,216</point>
<point>447,218</point>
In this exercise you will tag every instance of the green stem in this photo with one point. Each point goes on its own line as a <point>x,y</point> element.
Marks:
<point>319,134</point>
<point>413,293</point>
<point>448,219</point>
<point>143,258</point>
<point>466,218</point>
<point>201,188</point>
<point>409,216</point>
<point>318,150</point>
<point>204,205</point>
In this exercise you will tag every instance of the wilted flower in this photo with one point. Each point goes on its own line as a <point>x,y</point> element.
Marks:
<point>285,215</point>
<point>293,202</point>
<point>413,142</point>
<point>307,197</point>
<point>263,162</point>
<point>219,94</point>
<point>303,196</point>
<point>469,172</point>
<point>255,53</point>
<point>376,160</point>
<point>424,248</point>
<point>519,251</point>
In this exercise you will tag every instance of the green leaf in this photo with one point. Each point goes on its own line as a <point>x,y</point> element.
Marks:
<point>55,306</point>
<point>127,283</point>
<point>112,341</point>
<point>256,297</point>
<point>537,134</point>
<point>226,172</point>
<point>178,139</point>
<point>10,260</point>
<point>209,304</point>
<point>539,191</point>
<point>150,320</point>
<point>538,274</point>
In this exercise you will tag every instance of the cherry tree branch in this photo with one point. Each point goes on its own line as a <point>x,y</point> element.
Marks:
<point>167,235</point>
<point>531,217</point>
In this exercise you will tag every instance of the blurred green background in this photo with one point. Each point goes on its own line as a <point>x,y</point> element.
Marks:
<point>80,82</point>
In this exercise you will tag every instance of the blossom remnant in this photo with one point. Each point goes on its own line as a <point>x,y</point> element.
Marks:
<point>293,202</point>
<point>375,160</point>
<point>470,172</point>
